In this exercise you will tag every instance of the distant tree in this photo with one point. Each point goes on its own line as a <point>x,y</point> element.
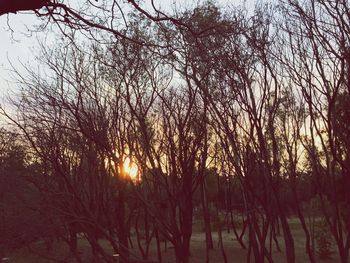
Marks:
<point>22,221</point>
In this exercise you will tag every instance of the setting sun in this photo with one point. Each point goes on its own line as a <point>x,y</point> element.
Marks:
<point>130,168</point>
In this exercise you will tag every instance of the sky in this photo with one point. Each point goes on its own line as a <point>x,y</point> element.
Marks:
<point>18,43</point>
<point>17,46</point>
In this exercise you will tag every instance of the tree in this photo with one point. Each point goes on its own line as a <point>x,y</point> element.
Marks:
<point>23,220</point>
<point>318,52</point>
<point>7,6</point>
<point>255,105</point>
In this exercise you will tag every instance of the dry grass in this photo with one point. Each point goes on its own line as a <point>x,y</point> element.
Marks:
<point>232,249</point>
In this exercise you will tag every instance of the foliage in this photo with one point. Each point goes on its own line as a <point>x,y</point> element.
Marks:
<point>324,240</point>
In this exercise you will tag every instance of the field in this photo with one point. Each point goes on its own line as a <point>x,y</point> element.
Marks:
<point>234,253</point>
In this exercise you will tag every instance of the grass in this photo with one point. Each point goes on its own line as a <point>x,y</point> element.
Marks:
<point>37,253</point>
<point>232,249</point>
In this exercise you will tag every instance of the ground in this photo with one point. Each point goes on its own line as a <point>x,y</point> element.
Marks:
<point>232,249</point>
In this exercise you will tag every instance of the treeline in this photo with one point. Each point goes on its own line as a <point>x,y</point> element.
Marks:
<point>244,110</point>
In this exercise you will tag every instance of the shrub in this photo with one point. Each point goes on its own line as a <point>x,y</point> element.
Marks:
<point>324,240</point>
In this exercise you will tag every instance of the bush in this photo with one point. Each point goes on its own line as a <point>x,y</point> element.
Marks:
<point>324,240</point>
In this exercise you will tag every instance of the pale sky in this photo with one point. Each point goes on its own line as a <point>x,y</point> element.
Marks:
<point>18,46</point>
<point>15,46</point>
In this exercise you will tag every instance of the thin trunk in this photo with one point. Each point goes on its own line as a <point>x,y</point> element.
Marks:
<point>147,232</point>
<point>238,237</point>
<point>121,226</point>
<point>288,239</point>
<point>206,217</point>
<point>138,236</point>
<point>275,238</point>
<point>220,241</point>
<point>308,244</point>
<point>159,251</point>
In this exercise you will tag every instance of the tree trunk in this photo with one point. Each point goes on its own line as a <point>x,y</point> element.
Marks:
<point>206,218</point>
<point>288,239</point>
<point>121,226</point>
<point>238,237</point>
<point>159,251</point>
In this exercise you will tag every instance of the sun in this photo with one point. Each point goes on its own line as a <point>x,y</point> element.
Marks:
<point>130,168</point>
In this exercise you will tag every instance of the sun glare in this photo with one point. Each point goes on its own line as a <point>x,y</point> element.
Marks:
<point>130,168</point>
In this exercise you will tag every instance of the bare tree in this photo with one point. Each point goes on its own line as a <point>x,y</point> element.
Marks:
<point>318,35</point>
